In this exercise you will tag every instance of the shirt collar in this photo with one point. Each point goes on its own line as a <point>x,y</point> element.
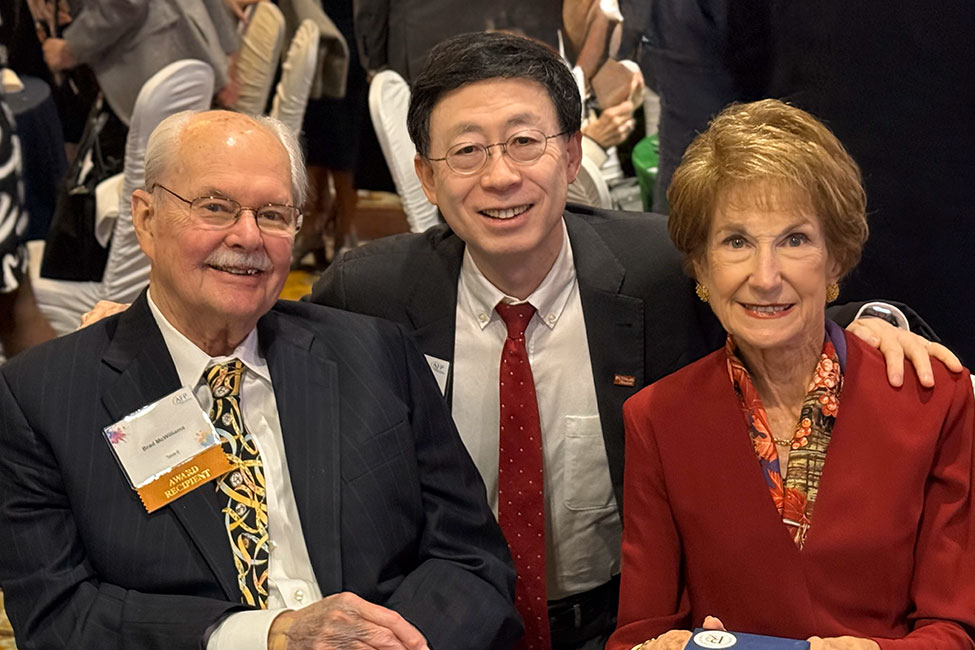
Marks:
<point>549,299</point>
<point>191,361</point>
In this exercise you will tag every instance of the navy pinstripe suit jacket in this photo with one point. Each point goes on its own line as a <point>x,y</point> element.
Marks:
<point>391,506</point>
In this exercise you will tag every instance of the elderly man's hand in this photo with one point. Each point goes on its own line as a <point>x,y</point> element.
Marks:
<point>57,54</point>
<point>842,642</point>
<point>895,344</point>
<point>343,621</point>
<point>613,126</point>
<point>102,309</point>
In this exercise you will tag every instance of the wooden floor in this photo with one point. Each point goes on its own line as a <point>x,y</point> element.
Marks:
<point>298,284</point>
<point>6,634</point>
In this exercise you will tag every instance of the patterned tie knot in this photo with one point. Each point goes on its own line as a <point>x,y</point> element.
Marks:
<point>224,378</point>
<point>516,317</point>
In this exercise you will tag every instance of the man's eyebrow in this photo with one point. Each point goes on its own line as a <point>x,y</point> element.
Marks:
<point>520,119</point>
<point>210,190</point>
<point>465,127</point>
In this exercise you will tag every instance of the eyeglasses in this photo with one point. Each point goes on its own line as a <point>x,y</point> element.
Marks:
<point>218,213</point>
<point>524,148</point>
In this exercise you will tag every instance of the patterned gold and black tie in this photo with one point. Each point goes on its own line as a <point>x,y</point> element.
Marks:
<point>245,512</point>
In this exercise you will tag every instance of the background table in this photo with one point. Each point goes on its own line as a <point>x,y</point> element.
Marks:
<point>42,149</point>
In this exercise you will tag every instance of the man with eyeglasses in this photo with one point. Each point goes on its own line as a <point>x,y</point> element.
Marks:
<point>215,469</point>
<point>593,303</point>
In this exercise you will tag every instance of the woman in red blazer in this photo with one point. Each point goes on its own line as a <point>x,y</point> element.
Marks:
<point>781,484</point>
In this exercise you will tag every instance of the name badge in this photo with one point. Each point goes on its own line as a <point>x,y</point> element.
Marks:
<point>440,370</point>
<point>167,448</point>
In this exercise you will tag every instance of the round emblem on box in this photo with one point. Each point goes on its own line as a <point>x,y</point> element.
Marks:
<point>715,639</point>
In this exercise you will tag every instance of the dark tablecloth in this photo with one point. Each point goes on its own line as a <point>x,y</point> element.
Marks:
<point>42,150</point>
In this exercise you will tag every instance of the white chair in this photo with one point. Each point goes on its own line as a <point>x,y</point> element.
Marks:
<point>180,86</point>
<point>332,66</point>
<point>297,71</point>
<point>258,58</point>
<point>389,99</point>
<point>589,187</point>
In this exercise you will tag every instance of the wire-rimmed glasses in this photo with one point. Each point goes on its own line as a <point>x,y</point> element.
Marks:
<point>524,147</point>
<point>218,213</point>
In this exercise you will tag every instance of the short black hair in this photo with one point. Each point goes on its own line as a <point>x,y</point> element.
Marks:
<point>480,56</point>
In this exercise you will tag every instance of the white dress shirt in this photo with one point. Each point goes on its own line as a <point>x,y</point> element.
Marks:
<point>291,579</point>
<point>582,522</point>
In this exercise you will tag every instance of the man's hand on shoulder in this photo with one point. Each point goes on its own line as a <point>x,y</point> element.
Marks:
<point>102,309</point>
<point>896,344</point>
<point>343,621</point>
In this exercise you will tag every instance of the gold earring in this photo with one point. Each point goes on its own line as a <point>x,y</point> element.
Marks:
<point>702,292</point>
<point>832,291</point>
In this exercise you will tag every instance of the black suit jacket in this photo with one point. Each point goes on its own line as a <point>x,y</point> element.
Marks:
<point>642,318</point>
<point>390,504</point>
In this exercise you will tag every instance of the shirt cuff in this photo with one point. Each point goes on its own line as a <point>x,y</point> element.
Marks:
<point>886,311</point>
<point>244,630</point>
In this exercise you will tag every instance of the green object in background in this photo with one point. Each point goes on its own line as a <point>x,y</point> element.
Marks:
<point>646,158</point>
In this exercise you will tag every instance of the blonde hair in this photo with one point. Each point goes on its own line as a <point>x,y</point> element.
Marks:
<point>761,146</point>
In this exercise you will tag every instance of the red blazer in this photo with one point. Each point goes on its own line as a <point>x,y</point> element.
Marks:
<point>891,550</point>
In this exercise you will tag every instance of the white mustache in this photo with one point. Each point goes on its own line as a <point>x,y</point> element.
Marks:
<point>225,258</point>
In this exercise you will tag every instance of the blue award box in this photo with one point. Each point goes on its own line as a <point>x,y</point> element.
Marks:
<point>703,639</point>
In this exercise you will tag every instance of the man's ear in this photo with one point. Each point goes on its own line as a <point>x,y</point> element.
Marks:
<point>143,215</point>
<point>574,155</point>
<point>425,172</point>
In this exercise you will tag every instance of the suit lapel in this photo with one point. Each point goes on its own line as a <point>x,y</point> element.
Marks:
<point>146,373</point>
<point>432,303</point>
<point>307,396</point>
<point>614,328</point>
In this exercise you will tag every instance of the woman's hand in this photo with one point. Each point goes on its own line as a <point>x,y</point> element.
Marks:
<point>677,639</point>
<point>895,344</point>
<point>841,643</point>
<point>672,640</point>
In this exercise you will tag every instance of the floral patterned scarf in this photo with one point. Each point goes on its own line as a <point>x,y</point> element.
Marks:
<point>796,496</point>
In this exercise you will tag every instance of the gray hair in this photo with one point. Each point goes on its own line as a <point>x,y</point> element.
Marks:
<point>162,145</point>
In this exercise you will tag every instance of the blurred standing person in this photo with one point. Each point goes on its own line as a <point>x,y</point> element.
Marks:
<point>125,42</point>
<point>332,129</point>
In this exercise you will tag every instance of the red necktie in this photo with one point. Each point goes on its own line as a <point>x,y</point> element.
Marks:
<point>521,498</point>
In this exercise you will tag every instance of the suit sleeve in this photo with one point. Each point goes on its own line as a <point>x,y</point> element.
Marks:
<point>101,24</point>
<point>653,599</point>
<point>943,591</point>
<point>846,313</point>
<point>329,290</point>
<point>53,595</point>
<point>461,594</point>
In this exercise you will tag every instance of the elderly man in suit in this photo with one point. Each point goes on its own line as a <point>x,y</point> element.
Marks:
<point>352,516</point>
<point>538,319</point>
